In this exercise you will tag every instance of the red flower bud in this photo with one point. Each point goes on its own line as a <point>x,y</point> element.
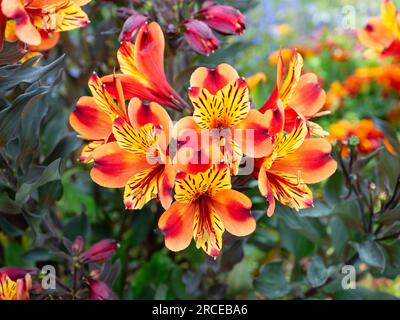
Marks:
<point>100,291</point>
<point>200,37</point>
<point>132,25</point>
<point>221,18</point>
<point>77,245</point>
<point>100,251</point>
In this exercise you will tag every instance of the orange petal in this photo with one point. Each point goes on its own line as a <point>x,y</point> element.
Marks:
<point>89,121</point>
<point>213,79</point>
<point>234,209</point>
<point>255,127</point>
<point>308,97</point>
<point>177,225</point>
<point>113,166</point>
<point>49,40</point>
<point>127,63</point>
<point>312,161</point>
<point>292,78</point>
<point>25,30</point>
<point>140,114</point>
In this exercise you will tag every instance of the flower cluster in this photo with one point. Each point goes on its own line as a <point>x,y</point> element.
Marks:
<point>197,27</point>
<point>36,23</point>
<point>136,145</point>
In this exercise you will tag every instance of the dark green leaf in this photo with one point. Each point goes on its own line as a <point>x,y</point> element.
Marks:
<point>371,253</point>
<point>317,274</point>
<point>272,282</point>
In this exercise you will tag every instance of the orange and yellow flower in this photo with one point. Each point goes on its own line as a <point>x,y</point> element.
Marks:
<point>142,67</point>
<point>205,207</point>
<point>15,288</point>
<point>381,35</point>
<point>294,96</point>
<point>93,116</point>
<point>222,112</point>
<point>370,138</point>
<point>139,159</point>
<point>293,163</point>
<point>37,23</point>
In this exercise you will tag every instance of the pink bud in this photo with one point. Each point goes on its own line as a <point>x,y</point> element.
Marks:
<point>77,245</point>
<point>100,251</point>
<point>100,291</point>
<point>221,18</point>
<point>200,37</point>
<point>132,25</point>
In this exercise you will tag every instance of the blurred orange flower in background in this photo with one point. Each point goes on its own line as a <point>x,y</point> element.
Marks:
<point>381,35</point>
<point>370,138</point>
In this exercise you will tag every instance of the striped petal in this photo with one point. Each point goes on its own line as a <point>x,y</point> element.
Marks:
<point>90,121</point>
<point>207,228</point>
<point>213,79</point>
<point>312,161</point>
<point>87,150</point>
<point>288,87</point>
<point>190,186</point>
<point>113,167</point>
<point>138,142</point>
<point>103,98</point>
<point>143,187</point>
<point>234,209</point>
<point>226,109</point>
<point>289,143</point>
<point>62,16</point>
<point>290,190</point>
<point>165,186</point>
<point>177,225</point>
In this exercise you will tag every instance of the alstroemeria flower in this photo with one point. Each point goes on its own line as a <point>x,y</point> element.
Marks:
<point>222,111</point>
<point>300,95</point>
<point>38,22</point>
<point>205,206</point>
<point>15,283</point>
<point>381,35</point>
<point>139,158</point>
<point>294,161</point>
<point>221,18</point>
<point>142,66</point>
<point>93,116</point>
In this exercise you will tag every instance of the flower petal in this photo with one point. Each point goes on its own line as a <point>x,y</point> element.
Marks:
<point>90,121</point>
<point>177,225</point>
<point>113,166</point>
<point>143,187</point>
<point>256,127</point>
<point>308,97</point>
<point>213,79</point>
<point>290,190</point>
<point>266,190</point>
<point>234,209</point>
<point>312,161</point>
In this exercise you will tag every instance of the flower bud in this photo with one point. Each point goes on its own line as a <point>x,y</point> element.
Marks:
<point>100,291</point>
<point>77,245</point>
<point>132,25</point>
<point>221,18</point>
<point>200,37</point>
<point>100,251</point>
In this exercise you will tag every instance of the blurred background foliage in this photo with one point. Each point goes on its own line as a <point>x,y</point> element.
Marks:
<point>49,195</point>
